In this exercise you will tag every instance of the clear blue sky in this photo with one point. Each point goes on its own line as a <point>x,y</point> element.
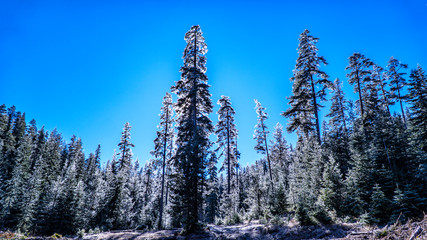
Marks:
<point>87,67</point>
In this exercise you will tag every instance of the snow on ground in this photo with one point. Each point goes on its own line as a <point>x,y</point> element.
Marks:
<point>241,232</point>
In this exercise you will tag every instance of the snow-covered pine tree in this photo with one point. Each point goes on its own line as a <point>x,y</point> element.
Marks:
<point>256,191</point>
<point>92,179</point>
<point>193,130</point>
<point>280,158</point>
<point>305,180</point>
<point>359,74</point>
<point>308,89</point>
<point>397,82</point>
<point>417,91</point>
<point>261,135</point>
<point>338,108</point>
<point>122,214</point>
<point>379,78</point>
<point>379,207</point>
<point>12,200</point>
<point>331,193</point>
<point>212,190</point>
<point>163,146</point>
<point>338,137</point>
<point>226,133</point>
<point>109,194</point>
<point>67,199</point>
<point>137,195</point>
<point>8,153</point>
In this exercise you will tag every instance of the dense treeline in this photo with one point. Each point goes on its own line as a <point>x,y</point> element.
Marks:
<point>366,163</point>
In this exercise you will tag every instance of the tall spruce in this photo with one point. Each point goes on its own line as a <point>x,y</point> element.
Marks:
<point>122,206</point>
<point>193,131</point>
<point>379,78</point>
<point>261,135</point>
<point>397,82</point>
<point>163,146</point>
<point>359,74</point>
<point>417,91</point>
<point>280,159</point>
<point>226,133</point>
<point>337,138</point>
<point>308,89</point>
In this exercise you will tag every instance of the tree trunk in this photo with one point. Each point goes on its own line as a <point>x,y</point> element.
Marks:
<point>359,89</point>
<point>268,155</point>
<point>228,155</point>
<point>385,100</point>
<point>316,114</point>
<point>401,107</point>
<point>160,224</point>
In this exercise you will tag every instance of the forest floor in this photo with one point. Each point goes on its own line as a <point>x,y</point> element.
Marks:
<point>254,230</point>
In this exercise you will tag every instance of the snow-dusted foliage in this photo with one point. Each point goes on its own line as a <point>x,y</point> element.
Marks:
<point>369,167</point>
<point>261,135</point>
<point>226,133</point>
<point>163,149</point>
<point>359,74</point>
<point>280,157</point>
<point>308,90</point>
<point>397,82</point>
<point>193,130</point>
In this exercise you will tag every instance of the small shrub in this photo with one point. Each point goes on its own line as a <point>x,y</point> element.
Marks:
<point>56,236</point>
<point>81,233</point>
<point>267,215</point>
<point>365,219</point>
<point>233,219</point>
<point>218,221</point>
<point>277,220</point>
<point>263,221</point>
<point>381,234</point>
<point>320,216</point>
<point>94,231</point>
<point>302,216</point>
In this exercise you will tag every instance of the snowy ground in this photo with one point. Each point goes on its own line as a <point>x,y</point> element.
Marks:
<point>254,230</point>
<point>242,231</point>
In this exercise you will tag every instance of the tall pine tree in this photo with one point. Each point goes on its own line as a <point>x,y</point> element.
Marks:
<point>193,131</point>
<point>308,89</point>
<point>359,74</point>
<point>261,135</point>
<point>226,132</point>
<point>397,82</point>
<point>163,146</point>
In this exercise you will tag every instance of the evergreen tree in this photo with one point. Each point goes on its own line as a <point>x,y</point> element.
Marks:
<point>92,181</point>
<point>417,92</point>
<point>12,200</point>
<point>379,79</point>
<point>261,134</point>
<point>194,127</point>
<point>331,193</point>
<point>379,205</point>
<point>280,157</point>
<point>122,217</point>
<point>212,191</point>
<point>163,146</point>
<point>306,171</point>
<point>66,208</point>
<point>359,74</point>
<point>226,132</point>
<point>336,140</point>
<point>308,89</point>
<point>397,82</point>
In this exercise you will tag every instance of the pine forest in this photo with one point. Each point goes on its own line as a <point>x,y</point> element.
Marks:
<point>365,161</point>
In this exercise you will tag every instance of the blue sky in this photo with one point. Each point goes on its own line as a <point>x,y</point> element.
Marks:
<point>87,67</point>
